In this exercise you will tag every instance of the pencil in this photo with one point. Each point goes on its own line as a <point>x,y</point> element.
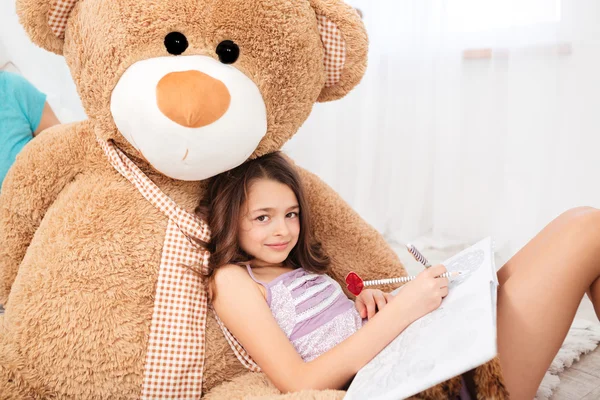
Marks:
<point>405,279</point>
<point>417,255</point>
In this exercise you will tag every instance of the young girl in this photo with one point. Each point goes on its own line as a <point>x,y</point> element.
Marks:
<point>269,288</point>
<point>268,284</point>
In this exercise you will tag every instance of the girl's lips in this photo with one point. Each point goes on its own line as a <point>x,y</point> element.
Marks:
<point>278,246</point>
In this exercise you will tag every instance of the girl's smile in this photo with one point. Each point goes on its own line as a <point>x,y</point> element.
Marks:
<point>278,246</point>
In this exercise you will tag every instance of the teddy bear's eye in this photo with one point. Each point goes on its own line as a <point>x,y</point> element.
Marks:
<point>228,52</point>
<point>176,43</point>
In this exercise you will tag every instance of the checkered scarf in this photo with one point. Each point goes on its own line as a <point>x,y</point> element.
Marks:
<point>175,358</point>
<point>176,347</point>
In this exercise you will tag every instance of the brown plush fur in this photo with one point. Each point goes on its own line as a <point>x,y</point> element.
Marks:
<point>81,247</point>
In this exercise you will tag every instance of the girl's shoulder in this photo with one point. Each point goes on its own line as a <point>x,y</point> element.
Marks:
<point>230,280</point>
<point>226,278</point>
<point>230,271</point>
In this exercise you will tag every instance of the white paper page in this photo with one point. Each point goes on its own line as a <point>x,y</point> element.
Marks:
<point>453,339</point>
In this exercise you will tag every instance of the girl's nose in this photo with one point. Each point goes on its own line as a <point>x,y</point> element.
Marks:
<point>281,229</point>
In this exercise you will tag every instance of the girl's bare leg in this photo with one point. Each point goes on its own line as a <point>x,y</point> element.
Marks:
<point>540,290</point>
<point>594,295</point>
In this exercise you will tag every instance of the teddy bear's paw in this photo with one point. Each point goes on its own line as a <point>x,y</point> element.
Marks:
<point>303,395</point>
<point>239,388</point>
<point>490,382</point>
<point>256,386</point>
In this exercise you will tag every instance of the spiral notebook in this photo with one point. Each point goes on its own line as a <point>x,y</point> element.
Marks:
<point>457,337</point>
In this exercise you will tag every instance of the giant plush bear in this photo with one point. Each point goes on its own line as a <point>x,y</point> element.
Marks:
<point>91,214</point>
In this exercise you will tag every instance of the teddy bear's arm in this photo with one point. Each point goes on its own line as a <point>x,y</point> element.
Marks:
<point>32,184</point>
<point>350,242</point>
<point>256,386</point>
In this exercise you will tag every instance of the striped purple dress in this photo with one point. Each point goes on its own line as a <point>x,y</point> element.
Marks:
<point>312,310</point>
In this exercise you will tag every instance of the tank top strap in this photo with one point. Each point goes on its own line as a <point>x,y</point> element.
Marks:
<point>249,268</point>
<point>267,286</point>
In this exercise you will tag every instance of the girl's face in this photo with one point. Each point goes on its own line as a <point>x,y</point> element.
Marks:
<point>269,225</point>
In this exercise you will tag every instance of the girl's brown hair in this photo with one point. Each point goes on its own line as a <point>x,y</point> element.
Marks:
<point>222,210</point>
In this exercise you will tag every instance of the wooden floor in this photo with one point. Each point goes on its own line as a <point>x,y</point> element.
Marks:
<point>582,380</point>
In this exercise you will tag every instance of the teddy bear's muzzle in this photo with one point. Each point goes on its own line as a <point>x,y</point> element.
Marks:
<point>191,98</point>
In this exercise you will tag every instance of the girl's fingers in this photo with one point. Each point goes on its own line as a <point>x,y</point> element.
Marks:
<point>435,271</point>
<point>444,291</point>
<point>380,300</point>
<point>443,282</point>
<point>370,308</point>
<point>361,308</point>
<point>388,297</point>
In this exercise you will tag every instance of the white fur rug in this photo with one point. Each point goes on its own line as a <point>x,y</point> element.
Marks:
<point>583,337</point>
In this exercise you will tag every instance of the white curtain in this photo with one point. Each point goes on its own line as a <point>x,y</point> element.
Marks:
<point>456,144</point>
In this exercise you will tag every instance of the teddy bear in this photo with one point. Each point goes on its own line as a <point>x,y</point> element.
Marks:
<point>101,260</point>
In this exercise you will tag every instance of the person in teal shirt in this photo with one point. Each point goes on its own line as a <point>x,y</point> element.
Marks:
<point>24,113</point>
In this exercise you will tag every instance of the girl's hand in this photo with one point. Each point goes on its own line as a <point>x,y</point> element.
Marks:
<point>370,299</point>
<point>424,294</point>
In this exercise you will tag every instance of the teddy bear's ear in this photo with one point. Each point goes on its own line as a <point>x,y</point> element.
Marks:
<point>345,43</point>
<point>45,21</point>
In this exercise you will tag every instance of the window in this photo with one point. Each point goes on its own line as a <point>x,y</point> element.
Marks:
<point>483,15</point>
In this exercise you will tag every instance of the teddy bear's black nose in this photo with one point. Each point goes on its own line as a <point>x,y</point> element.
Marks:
<point>176,43</point>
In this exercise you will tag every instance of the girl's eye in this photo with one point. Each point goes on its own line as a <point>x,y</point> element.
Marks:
<point>293,214</point>
<point>262,218</point>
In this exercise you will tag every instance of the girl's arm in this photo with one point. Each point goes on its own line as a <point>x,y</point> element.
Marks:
<point>48,119</point>
<point>242,308</point>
